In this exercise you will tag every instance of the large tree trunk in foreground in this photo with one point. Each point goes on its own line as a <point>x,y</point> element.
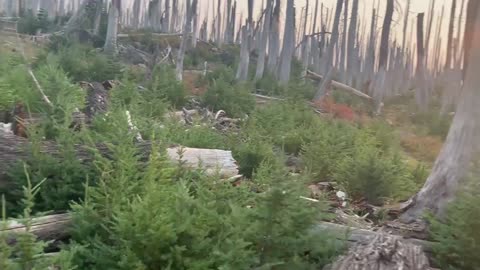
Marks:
<point>453,161</point>
<point>14,149</point>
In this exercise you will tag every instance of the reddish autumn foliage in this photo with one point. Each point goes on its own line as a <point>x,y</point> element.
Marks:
<point>340,111</point>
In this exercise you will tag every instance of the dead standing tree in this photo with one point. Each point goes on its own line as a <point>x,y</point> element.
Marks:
<point>453,161</point>
<point>112,28</point>
<point>379,90</point>
<point>288,44</point>
<point>183,45</point>
<point>274,40</point>
<point>448,62</point>
<point>421,93</point>
<point>264,40</point>
<point>328,60</point>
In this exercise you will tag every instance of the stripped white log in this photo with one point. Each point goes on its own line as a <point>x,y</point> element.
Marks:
<point>211,161</point>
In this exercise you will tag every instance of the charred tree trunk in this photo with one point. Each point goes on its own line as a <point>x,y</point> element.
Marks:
<point>334,39</point>
<point>453,161</point>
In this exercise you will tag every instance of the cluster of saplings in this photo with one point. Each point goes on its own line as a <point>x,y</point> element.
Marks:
<point>128,214</point>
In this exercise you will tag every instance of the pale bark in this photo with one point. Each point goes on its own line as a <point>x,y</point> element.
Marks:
<point>264,42</point>
<point>448,62</point>
<point>110,46</point>
<point>14,149</point>
<point>183,45</point>
<point>166,24</point>
<point>274,40</point>
<point>429,31</point>
<point>98,16</point>
<point>451,166</point>
<point>288,44</point>
<point>421,91</point>
<point>195,18</point>
<point>219,23</point>
<point>242,70</point>
<point>458,56</point>
<point>383,252</point>
<point>383,56</point>
<point>343,49</point>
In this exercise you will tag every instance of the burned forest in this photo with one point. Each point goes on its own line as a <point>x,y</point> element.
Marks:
<point>239,134</point>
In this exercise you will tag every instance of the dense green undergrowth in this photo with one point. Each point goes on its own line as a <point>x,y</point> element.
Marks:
<point>129,214</point>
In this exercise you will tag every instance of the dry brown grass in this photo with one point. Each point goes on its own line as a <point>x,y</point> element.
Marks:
<point>422,148</point>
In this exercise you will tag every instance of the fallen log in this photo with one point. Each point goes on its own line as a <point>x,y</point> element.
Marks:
<point>47,228</point>
<point>317,77</point>
<point>14,149</point>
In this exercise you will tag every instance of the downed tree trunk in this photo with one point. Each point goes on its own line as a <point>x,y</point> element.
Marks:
<point>369,249</point>
<point>53,227</point>
<point>317,77</point>
<point>383,252</point>
<point>14,149</point>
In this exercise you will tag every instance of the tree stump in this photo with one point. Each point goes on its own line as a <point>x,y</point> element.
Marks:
<point>384,252</point>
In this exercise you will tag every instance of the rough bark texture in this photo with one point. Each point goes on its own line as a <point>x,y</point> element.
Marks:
<point>453,161</point>
<point>384,252</point>
<point>53,227</point>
